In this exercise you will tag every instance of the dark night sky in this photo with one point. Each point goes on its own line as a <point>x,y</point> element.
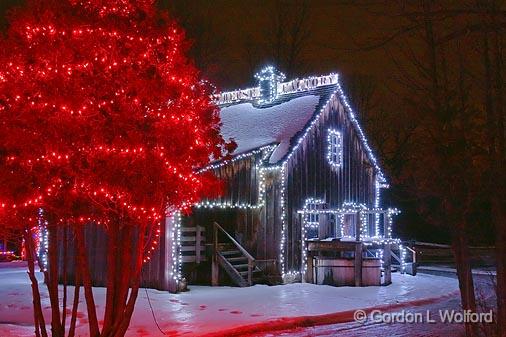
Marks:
<point>231,42</point>
<point>332,28</point>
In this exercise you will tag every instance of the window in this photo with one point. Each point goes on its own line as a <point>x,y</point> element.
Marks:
<point>314,218</point>
<point>335,148</point>
<point>312,221</point>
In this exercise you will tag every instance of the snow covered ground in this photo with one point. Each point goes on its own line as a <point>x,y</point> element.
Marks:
<point>207,310</point>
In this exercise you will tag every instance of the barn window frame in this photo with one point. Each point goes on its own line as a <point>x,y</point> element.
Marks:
<point>335,148</point>
<point>312,207</point>
<point>313,218</point>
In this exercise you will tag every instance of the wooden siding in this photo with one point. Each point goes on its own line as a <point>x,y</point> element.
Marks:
<point>240,180</point>
<point>309,175</point>
<point>154,272</point>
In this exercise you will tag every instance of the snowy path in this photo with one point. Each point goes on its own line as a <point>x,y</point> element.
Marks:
<point>353,329</point>
<point>484,290</point>
<point>205,310</point>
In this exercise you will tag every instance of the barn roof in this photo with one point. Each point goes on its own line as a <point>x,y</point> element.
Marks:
<point>280,119</point>
<point>253,127</point>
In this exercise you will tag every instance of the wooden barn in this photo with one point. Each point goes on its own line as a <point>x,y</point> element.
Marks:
<point>302,200</point>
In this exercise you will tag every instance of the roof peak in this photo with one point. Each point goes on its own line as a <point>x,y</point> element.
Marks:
<point>270,87</point>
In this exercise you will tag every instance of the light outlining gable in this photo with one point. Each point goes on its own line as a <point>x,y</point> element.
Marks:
<point>361,133</point>
<point>351,115</point>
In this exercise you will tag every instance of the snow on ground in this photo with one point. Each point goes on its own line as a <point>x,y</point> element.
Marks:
<point>253,127</point>
<point>205,310</point>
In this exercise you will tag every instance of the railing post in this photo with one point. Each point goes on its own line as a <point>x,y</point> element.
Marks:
<point>214,264</point>
<point>387,264</point>
<point>250,270</point>
<point>413,254</point>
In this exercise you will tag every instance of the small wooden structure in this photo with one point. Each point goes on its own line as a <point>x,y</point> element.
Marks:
<point>302,188</point>
<point>302,183</point>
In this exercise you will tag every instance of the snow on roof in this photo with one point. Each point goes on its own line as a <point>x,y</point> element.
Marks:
<point>253,127</point>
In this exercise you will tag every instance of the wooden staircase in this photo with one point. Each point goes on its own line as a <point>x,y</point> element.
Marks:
<point>233,259</point>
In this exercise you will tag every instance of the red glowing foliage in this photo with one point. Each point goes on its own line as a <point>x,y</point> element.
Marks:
<point>102,114</point>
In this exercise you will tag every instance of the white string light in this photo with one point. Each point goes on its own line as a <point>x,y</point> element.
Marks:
<point>42,249</point>
<point>334,148</point>
<point>283,222</point>
<point>268,79</point>
<point>175,236</point>
<point>402,251</point>
<point>283,88</point>
<point>266,149</point>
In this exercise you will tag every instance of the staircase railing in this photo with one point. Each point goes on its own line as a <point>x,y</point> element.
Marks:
<point>412,253</point>
<point>251,259</point>
<point>410,258</point>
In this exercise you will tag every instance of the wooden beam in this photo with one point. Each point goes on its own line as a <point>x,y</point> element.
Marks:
<point>191,258</point>
<point>331,245</point>
<point>192,229</point>
<point>192,248</point>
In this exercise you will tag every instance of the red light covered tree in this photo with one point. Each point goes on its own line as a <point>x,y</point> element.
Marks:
<point>104,119</point>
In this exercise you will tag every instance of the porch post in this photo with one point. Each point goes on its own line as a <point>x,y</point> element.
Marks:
<point>358,226</point>
<point>310,268</point>
<point>358,264</point>
<point>214,263</point>
<point>198,239</point>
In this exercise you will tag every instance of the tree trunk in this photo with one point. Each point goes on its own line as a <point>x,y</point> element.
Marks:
<point>500,246</point>
<point>75,304</point>
<point>64,272</point>
<point>124,313</point>
<point>87,284</point>
<point>52,281</point>
<point>497,176</point>
<point>464,274</point>
<point>112,267</point>
<point>124,274</point>
<point>40,325</point>
<point>499,165</point>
